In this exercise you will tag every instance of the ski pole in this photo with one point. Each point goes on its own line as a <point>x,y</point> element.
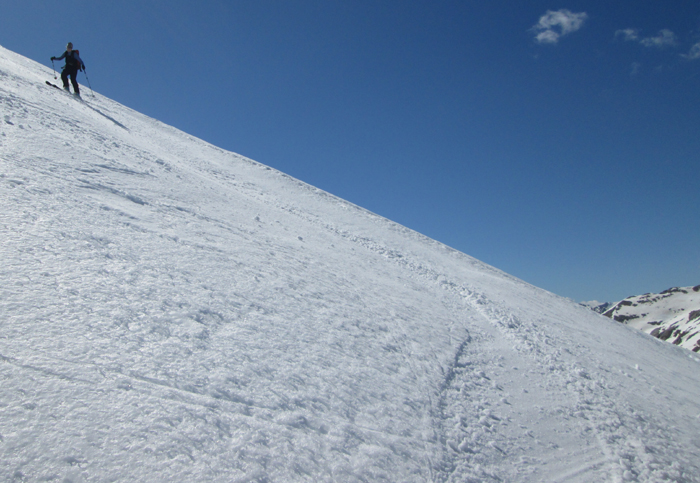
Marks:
<point>86,77</point>
<point>54,69</point>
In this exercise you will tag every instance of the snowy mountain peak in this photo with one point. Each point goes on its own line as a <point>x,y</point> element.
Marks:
<point>595,306</point>
<point>170,311</point>
<point>673,315</point>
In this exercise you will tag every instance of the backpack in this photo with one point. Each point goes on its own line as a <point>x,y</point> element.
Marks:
<point>72,59</point>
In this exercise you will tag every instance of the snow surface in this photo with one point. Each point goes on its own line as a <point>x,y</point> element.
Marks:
<point>170,311</point>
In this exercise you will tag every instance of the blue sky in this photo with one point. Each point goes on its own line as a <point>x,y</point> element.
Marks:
<point>558,141</point>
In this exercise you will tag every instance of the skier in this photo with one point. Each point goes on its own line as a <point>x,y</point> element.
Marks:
<point>73,64</point>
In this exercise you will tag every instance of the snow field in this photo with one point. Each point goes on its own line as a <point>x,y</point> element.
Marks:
<point>173,312</point>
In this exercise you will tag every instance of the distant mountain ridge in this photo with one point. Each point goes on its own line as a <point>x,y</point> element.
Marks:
<point>596,306</point>
<point>673,315</point>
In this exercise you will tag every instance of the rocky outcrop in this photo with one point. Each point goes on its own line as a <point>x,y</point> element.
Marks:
<point>672,315</point>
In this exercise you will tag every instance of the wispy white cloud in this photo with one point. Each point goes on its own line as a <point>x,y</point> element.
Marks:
<point>547,37</point>
<point>665,38</point>
<point>694,53</point>
<point>554,25</point>
<point>628,34</point>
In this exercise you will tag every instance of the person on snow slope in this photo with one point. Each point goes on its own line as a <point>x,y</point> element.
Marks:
<point>73,64</point>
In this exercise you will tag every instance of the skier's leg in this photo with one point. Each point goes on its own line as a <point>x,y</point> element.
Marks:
<point>64,78</point>
<point>76,88</point>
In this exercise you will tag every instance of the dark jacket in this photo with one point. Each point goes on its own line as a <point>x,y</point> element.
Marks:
<point>73,60</point>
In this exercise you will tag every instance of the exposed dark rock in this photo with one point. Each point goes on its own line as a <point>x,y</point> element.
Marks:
<point>681,336</point>
<point>666,334</point>
<point>693,315</point>
<point>647,300</point>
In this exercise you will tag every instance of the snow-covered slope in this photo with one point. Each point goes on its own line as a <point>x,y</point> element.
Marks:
<point>673,315</point>
<point>170,311</point>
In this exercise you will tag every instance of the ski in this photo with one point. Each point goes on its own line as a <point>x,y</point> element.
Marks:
<point>77,96</point>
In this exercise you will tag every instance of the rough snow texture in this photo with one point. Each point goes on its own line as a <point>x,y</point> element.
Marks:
<point>673,315</point>
<point>170,311</point>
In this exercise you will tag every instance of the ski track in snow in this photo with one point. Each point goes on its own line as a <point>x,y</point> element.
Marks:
<point>170,311</point>
<point>591,401</point>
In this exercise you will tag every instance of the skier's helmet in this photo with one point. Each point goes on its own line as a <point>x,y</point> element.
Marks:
<point>69,46</point>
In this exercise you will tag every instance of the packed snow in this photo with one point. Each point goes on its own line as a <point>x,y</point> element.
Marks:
<point>170,311</point>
